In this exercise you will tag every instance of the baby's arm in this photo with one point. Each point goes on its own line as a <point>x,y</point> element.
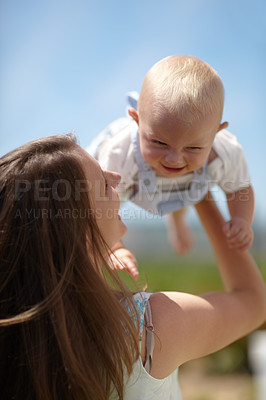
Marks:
<point>122,258</point>
<point>241,205</point>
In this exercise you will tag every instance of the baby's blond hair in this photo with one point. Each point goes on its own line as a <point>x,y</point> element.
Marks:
<point>183,86</point>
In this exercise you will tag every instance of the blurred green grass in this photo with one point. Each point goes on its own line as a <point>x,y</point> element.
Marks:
<point>190,275</point>
<point>169,275</point>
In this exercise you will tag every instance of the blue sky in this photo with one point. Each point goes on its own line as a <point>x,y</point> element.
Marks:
<point>67,64</point>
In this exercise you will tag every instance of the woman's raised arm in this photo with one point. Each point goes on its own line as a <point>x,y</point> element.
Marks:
<point>188,326</point>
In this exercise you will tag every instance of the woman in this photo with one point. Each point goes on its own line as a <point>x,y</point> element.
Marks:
<point>69,329</point>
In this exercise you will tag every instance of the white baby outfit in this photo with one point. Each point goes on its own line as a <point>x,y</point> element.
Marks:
<point>117,149</point>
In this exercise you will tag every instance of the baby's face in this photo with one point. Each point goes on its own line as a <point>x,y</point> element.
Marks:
<point>174,148</point>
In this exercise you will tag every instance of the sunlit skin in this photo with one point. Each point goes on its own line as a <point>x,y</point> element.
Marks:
<point>173,147</point>
<point>105,199</point>
<point>106,205</point>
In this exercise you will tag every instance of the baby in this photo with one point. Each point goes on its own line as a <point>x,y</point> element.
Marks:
<point>174,148</point>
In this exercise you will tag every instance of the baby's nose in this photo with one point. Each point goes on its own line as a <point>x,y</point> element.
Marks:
<point>174,157</point>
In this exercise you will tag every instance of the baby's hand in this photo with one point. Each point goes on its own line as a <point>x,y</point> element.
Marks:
<point>239,234</point>
<point>124,259</point>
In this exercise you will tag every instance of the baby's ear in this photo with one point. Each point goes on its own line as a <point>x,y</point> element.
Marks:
<point>133,114</point>
<point>224,125</point>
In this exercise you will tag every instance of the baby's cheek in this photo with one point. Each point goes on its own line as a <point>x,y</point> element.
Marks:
<point>151,155</point>
<point>198,160</point>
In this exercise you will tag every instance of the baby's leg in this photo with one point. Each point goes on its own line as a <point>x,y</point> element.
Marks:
<point>180,234</point>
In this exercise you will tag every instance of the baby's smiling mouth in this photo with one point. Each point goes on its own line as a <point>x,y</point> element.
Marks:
<point>170,169</point>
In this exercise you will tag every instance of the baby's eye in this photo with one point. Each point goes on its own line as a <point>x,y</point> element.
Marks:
<point>159,142</point>
<point>194,148</point>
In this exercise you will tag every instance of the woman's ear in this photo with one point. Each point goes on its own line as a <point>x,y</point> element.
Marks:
<point>223,126</point>
<point>133,114</point>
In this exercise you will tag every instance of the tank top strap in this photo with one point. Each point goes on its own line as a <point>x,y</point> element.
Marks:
<point>142,303</point>
<point>149,338</point>
<point>140,300</point>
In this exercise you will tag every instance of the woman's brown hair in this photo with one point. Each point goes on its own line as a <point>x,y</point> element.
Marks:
<point>64,333</point>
